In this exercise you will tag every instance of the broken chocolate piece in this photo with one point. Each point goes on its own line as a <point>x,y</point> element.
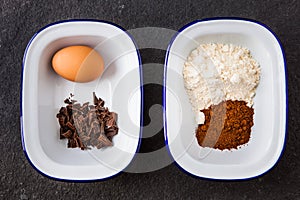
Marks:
<point>87,125</point>
<point>104,140</point>
<point>112,121</point>
<point>67,134</point>
<point>70,125</point>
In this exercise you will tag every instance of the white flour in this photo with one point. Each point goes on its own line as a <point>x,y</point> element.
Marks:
<point>217,72</point>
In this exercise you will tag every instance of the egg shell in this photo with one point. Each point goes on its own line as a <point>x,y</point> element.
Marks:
<point>78,63</point>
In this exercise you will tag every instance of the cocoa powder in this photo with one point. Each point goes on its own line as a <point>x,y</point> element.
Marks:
<point>227,125</point>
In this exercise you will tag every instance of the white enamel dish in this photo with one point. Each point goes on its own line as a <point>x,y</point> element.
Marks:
<point>268,133</point>
<point>43,93</point>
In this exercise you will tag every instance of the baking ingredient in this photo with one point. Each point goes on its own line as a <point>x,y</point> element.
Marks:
<point>78,63</point>
<point>227,125</point>
<point>221,81</point>
<point>218,72</point>
<point>87,125</point>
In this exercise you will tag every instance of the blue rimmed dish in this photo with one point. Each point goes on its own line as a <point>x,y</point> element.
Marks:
<point>43,93</point>
<point>268,133</point>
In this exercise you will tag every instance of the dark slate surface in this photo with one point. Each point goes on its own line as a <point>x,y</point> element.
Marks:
<point>21,19</point>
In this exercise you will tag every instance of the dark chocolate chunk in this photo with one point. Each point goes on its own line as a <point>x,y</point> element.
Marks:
<point>87,125</point>
<point>67,134</point>
<point>68,101</point>
<point>61,119</point>
<point>70,125</point>
<point>104,140</point>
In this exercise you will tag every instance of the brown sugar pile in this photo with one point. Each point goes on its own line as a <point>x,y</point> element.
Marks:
<point>227,125</point>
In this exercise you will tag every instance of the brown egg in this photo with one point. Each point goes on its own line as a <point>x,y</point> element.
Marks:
<point>78,63</point>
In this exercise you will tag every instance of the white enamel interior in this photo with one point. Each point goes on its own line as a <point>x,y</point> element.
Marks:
<point>44,91</point>
<point>268,133</point>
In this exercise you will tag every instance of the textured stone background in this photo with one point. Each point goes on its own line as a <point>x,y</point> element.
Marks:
<point>21,19</point>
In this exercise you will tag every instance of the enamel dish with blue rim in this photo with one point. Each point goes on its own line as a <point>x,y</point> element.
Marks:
<point>43,93</point>
<point>270,104</point>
